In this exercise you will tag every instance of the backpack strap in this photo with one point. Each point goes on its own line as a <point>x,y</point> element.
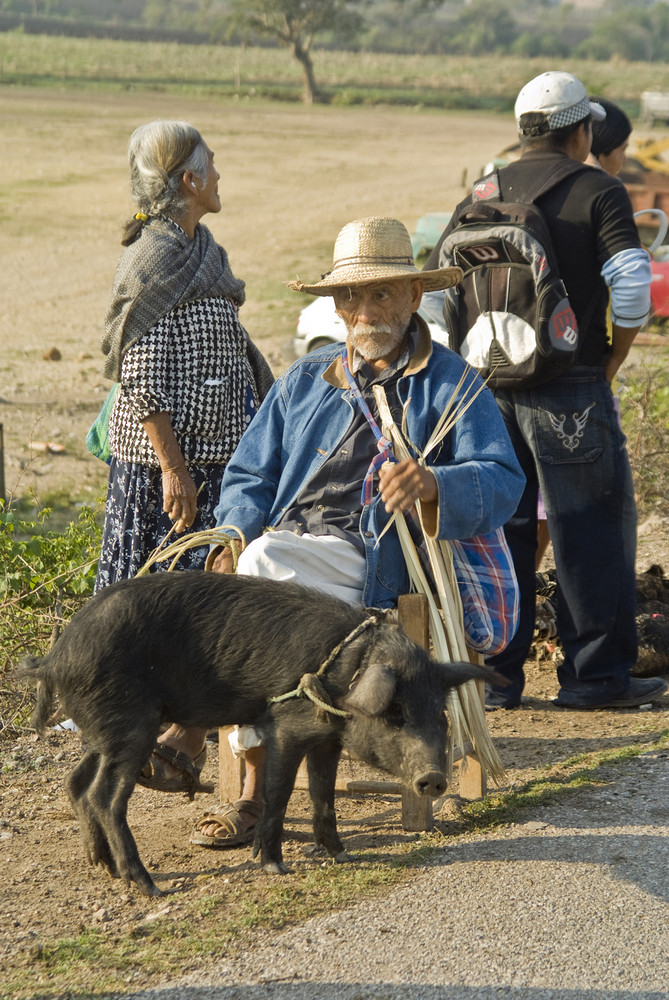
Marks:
<point>552,177</point>
<point>489,188</point>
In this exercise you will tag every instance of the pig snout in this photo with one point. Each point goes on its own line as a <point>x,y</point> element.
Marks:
<point>432,783</point>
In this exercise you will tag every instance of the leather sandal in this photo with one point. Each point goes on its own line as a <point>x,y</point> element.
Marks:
<point>152,774</point>
<point>230,822</point>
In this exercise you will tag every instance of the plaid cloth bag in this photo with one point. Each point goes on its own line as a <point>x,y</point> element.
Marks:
<point>488,590</point>
<point>483,565</point>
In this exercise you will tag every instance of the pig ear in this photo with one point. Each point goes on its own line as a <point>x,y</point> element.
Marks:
<point>453,674</point>
<point>373,692</point>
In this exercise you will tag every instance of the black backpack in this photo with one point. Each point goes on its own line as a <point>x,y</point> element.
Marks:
<point>510,316</point>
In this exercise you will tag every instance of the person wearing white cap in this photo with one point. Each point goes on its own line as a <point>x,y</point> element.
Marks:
<point>565,431</point>
<point>309,467</point>
<point>553,101</point>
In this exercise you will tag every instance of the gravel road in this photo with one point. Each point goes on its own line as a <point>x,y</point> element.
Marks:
<point>570,904</point>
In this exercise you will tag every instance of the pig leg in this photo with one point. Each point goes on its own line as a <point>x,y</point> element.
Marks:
<point>322,763</point>
<point>108,797</point>
<point>77,785</point>
<point>280,771</point>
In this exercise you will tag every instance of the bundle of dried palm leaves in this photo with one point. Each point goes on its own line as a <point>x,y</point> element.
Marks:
<point>447,632</point>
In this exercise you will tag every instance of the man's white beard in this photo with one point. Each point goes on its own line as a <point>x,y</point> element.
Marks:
<point>374,342</point>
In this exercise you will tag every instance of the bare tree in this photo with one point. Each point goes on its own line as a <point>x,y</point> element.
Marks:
<point>294,23</point>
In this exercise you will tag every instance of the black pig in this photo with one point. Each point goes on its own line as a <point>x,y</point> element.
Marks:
<point>206,649</point>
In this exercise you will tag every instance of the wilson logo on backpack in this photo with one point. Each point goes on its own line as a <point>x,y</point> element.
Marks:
<point>510,316</point>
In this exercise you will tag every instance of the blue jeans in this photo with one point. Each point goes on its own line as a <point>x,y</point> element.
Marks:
<point>569,443</point>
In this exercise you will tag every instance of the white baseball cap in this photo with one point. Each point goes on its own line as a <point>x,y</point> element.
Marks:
<point>560,97</point>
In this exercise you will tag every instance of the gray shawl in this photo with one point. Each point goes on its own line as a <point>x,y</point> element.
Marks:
<point>160,270</point>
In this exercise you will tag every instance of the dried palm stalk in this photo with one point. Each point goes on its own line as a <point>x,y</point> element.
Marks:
<point>195,540</point>
<point>445,607</point>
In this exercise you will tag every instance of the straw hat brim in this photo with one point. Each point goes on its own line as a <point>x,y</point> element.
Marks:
<point>344,277</point>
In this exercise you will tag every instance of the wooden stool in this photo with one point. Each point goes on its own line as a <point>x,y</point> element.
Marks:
<point>417,812</point>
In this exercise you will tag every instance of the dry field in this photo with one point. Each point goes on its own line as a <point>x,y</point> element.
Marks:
<point>290,179</point>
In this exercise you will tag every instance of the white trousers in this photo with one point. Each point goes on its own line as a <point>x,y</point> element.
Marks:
<point>324,562</point>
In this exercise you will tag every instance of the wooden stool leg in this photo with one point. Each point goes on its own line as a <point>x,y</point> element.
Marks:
<point>473,784</point>
<point>230,769</point>
<point>413,618</point>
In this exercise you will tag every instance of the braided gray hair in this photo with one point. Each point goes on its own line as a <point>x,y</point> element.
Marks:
<point>159,153</point>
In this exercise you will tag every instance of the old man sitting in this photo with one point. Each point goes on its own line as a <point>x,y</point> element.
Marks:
<point>311,488</point>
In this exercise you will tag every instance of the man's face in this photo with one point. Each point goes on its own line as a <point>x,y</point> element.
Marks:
<point>376,316</point>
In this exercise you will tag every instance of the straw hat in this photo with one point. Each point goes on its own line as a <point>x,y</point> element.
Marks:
<point>375,249</point>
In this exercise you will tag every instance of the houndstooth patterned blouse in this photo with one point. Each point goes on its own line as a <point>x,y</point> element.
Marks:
<point>192,364</point>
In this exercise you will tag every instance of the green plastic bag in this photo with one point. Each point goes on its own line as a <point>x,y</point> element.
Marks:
<point>97,439</point>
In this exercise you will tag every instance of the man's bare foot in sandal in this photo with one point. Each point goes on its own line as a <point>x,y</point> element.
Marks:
<point>234,824</point>
<point>177,761</point>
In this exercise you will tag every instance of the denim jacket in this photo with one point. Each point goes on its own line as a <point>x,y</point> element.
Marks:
<point>306,415</point>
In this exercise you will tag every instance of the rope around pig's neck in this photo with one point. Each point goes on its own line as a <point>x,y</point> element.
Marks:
<point>305,688</point>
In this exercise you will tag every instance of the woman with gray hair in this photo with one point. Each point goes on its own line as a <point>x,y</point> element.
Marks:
<point>190,379</point>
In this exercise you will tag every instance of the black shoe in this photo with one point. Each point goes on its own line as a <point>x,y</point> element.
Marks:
<point>640,691</point>
<point>500,699</point>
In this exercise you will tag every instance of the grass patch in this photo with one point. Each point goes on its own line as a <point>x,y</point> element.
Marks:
<point>193,933</point>
<point>48,571</point>
<point>202,931</point>
<point>645,420</point>
<point>574,774</point>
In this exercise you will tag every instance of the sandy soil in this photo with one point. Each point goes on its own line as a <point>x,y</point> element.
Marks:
<point>290,178</point>
<point>49,892</point>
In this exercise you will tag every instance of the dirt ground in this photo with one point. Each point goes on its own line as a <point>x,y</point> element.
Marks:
<point>290,178</point>
<point>50,893</point>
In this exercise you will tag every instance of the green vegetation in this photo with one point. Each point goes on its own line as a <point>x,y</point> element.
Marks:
<point>645,419</point>
<point>294,25</point>
<point>93,959</point>
<point>447,82</point>
<point>636,29</point>
<point>46,576</point>
<point>99,962</point>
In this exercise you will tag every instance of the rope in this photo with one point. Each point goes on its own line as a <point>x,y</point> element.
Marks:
<point>349,638</point>
<point>310,683</point>
<point>307,693</point>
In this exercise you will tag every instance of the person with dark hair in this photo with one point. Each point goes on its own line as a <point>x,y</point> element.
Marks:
<point>190,379</point>
<point>565,431</point>
<point>610,138</point>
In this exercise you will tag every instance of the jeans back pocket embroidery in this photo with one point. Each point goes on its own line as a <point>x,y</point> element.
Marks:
<point>570,441</point>
<point>572,431</point>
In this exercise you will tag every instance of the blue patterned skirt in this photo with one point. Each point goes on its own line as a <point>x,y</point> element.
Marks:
<point>135,523</point>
